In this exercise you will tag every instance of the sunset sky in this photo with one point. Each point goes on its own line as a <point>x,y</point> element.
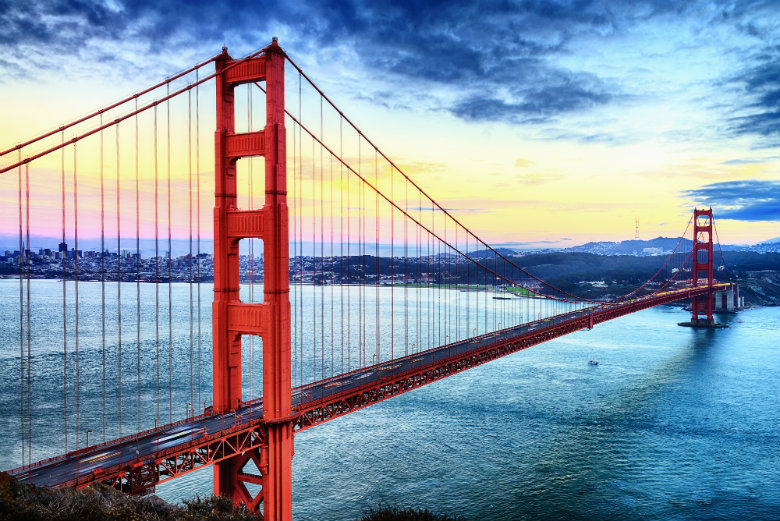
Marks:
<point>538,123</point>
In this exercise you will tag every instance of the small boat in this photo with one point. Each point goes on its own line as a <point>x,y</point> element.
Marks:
<point>592,362</point>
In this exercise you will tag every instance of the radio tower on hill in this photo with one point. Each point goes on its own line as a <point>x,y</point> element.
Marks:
<point>636,228</point>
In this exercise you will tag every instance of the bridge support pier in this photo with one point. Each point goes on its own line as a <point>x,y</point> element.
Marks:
<point>271,319</point>
<point>701,305</point>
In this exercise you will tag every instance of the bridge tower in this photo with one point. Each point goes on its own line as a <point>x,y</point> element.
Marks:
<point>702,264</point>
<point>271,319</point>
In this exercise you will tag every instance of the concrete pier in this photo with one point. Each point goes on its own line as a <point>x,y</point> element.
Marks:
<point>703,323</point>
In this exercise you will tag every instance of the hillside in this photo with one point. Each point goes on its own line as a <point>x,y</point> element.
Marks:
<point>758,274</point>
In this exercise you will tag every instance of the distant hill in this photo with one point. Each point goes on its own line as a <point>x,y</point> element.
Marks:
<point>657,246</point>
<point>482,254</point>
<point>662,246</point>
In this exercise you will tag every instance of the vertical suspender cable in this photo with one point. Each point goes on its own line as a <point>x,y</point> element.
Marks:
<point>457,291</point>
<point>332,321</point>
<point>436,281</point>
<point>341,236</point>
<point>406,265</point>
<point>467,298</point>
<point>64,289</point>
<point>103,277</point>
<point>376,256</point>
<point>76,287</point>
<point>314,258</point>
<point>349,270</point>
<point>363,264</point>
<point>197,212</point>
<point>392,269</point>
<point>299,205</point>
<point>431,281</point>
<point>170,260</point>
<point>137,274</point>
<point>300,219</point>
<point>189,206</point>
<point>21,311</point>
<point>251,256</point>
<point>322,252</point>
<point>118,287</point>
<point>29,325</point>
<point>419,274</point>
<point>296,302</point>
<point>156,266</point>
<point>446,274</point>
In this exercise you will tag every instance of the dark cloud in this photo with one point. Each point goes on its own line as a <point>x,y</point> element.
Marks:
<point>496,57</point>
<point>748,200</point>
<point>565,93</point>
<point>489,45</point>
<point>760,88</point>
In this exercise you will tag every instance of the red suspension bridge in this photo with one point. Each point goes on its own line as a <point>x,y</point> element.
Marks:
<point>360,288</point>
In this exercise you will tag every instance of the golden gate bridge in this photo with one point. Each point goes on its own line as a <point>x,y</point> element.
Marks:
<point>390,291</point>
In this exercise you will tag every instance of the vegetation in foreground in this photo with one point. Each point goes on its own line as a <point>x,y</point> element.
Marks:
<point>405,514</point>
<point>19,501</point>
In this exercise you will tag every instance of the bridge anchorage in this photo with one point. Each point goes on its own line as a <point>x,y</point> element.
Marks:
<point>371,288</point>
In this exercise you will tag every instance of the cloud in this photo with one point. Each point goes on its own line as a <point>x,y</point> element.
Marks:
<point>435,209</point>
<point>560,92</point>
<point>535,178</point>
<point>748,200</point>
<point>492,45</point>
<point>760,88</point>
<point>517,62</point>
<point>755,161</point>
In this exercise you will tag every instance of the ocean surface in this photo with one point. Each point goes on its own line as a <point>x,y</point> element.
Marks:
<point>674,423</point>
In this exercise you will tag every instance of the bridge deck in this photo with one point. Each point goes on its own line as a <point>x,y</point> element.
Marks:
<point>136,463</point>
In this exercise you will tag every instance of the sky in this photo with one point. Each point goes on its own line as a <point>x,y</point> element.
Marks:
<point>537,123</point>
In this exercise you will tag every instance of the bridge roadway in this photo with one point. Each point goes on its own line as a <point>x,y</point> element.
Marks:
<point>136,463</point>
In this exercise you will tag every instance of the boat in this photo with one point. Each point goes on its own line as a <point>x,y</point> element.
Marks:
<point>593,362</point>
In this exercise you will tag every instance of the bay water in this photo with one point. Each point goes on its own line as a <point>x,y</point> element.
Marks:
<point>673,423</point>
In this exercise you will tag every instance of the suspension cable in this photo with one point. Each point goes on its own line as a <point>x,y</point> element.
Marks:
<point>361,137</point>
<point>100,112</point>
<point>394,204</point>
<point>437,205</point>
<point>119,119</point>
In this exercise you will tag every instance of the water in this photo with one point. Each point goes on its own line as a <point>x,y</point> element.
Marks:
<point>673,423</point>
